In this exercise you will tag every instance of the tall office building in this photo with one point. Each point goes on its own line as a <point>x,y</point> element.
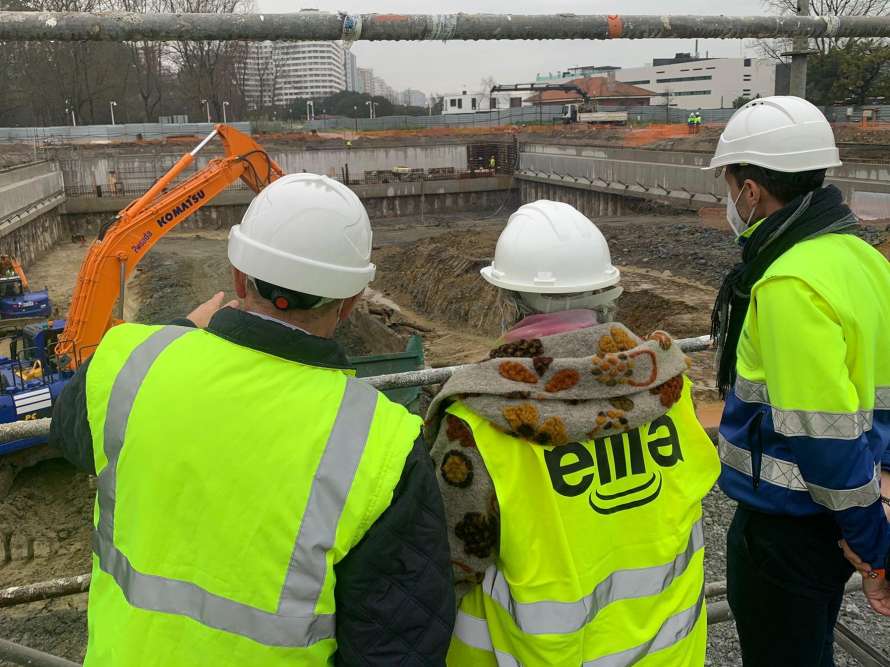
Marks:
<point>280,72</point>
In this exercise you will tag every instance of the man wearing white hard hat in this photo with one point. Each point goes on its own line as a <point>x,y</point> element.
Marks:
<point>804,365</point>
<point>257,504</point>
<point>573,469</point>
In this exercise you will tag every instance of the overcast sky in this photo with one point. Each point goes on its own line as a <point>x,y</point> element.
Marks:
<point>443,68</point>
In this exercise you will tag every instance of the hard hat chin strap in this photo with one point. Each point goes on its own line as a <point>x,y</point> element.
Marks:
<point>286,299</point>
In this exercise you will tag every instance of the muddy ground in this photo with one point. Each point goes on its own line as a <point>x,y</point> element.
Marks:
<point>428,283</point>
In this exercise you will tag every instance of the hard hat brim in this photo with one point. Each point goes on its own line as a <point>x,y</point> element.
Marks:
<point>489,275</point>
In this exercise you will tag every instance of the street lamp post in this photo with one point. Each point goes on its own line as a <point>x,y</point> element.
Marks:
<point>111,106</point>
<point>324,113</point>
<point>370,106</point>
<point>70,110</point>
<point>355,116</point>
<point>310,104</point>
<point>206,103</point>
<point>225,104</point>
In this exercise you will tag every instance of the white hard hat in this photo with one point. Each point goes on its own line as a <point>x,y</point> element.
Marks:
<point>306,233</point>
<point>786,134</point>
<point>549,247</point>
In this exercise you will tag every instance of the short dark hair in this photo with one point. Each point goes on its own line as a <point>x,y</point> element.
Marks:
<point>784,186</point>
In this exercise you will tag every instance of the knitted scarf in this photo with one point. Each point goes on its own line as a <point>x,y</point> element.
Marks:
<point>818,212</point>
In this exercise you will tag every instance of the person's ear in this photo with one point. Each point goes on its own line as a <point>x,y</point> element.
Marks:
<point>753,194</point>
<point>348,306</point>
<point>240,280</point>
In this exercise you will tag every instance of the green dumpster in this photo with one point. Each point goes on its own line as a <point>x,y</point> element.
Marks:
<point>397,362</point>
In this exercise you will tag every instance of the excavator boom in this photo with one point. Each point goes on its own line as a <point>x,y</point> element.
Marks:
<point>123,243</point>
<point>543,87</point>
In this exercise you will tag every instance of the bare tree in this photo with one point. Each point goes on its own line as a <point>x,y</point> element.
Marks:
<point>146,60</point>
<point>257,67</point>
<point>775,48</point>
<point>206,68</point>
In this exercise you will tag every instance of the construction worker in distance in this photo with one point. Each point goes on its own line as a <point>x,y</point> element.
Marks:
<point>493,164</point>
<point>573,469</point>
<point>804,365</point>
<point>690,122</point>
<point>258,505</point>
<point>698,121</point>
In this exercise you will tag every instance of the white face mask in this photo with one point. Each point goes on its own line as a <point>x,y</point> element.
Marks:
<point>732,214</point>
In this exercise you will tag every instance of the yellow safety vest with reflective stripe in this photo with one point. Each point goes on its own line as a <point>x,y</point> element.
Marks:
<point>807,425</point>
<point>230,482</point>
<point>601,549</point>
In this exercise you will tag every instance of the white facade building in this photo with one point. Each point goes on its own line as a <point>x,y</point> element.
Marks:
<point>466,102</point>
<point>350,65</point>
<point>704,84</point>
<point>279,72</point>
<point>366,81</point>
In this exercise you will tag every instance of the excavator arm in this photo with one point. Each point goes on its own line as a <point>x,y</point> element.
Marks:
<point>123,243</point>
<point>543,87</point>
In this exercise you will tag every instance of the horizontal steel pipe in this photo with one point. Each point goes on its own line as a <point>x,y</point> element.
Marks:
<point>309,26</point>
<point>439,375</point>
<point>40,427</point>
<point>22,655</point>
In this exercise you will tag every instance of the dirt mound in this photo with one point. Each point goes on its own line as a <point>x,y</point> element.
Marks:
<point>439,277</point>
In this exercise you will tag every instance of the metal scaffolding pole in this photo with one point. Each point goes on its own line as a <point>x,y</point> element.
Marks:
<point>799,52</point>
<point>308,26</point>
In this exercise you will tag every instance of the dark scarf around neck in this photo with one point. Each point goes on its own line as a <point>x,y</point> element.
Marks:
<point>818,212</point>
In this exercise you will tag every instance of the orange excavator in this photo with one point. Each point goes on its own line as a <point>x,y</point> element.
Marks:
<point>123,242</point>
<point>32,376</point>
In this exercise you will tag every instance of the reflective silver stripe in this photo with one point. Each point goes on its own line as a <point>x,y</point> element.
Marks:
<point>541,618</point>
<point>295,623</point>
<point>842,499</point>
<point>750,392</point>
<point>775,471</point>
<point>473,631</point>
<point>788,475</point>
<point>675,629</point>
<point>814,424</point>
<point>882,398</point>
<point>327,497</point>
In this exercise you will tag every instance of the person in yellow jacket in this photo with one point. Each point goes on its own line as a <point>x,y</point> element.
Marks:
<point>804,363</point>
<point>258,505</point>
<point>573,469</point>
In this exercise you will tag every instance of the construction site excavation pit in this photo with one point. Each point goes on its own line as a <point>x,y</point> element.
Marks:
<point>427,284</point>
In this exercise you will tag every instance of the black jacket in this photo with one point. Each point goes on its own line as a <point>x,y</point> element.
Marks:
<point>394,595</point>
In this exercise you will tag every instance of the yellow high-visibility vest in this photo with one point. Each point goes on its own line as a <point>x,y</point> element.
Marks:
<point>601,549</point>
<point>230,482</point>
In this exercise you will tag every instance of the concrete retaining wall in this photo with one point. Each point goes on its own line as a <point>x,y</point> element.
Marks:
<point>671,177</point>
<point>85,214</point>
<point>135,170</point>
<point>30,241</point>
<point>592,203</point>
<point>29,219</point>
<point>25,192</point>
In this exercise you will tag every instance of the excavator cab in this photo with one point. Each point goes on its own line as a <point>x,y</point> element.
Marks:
<point>16,299</point>
<point>16,303</point>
